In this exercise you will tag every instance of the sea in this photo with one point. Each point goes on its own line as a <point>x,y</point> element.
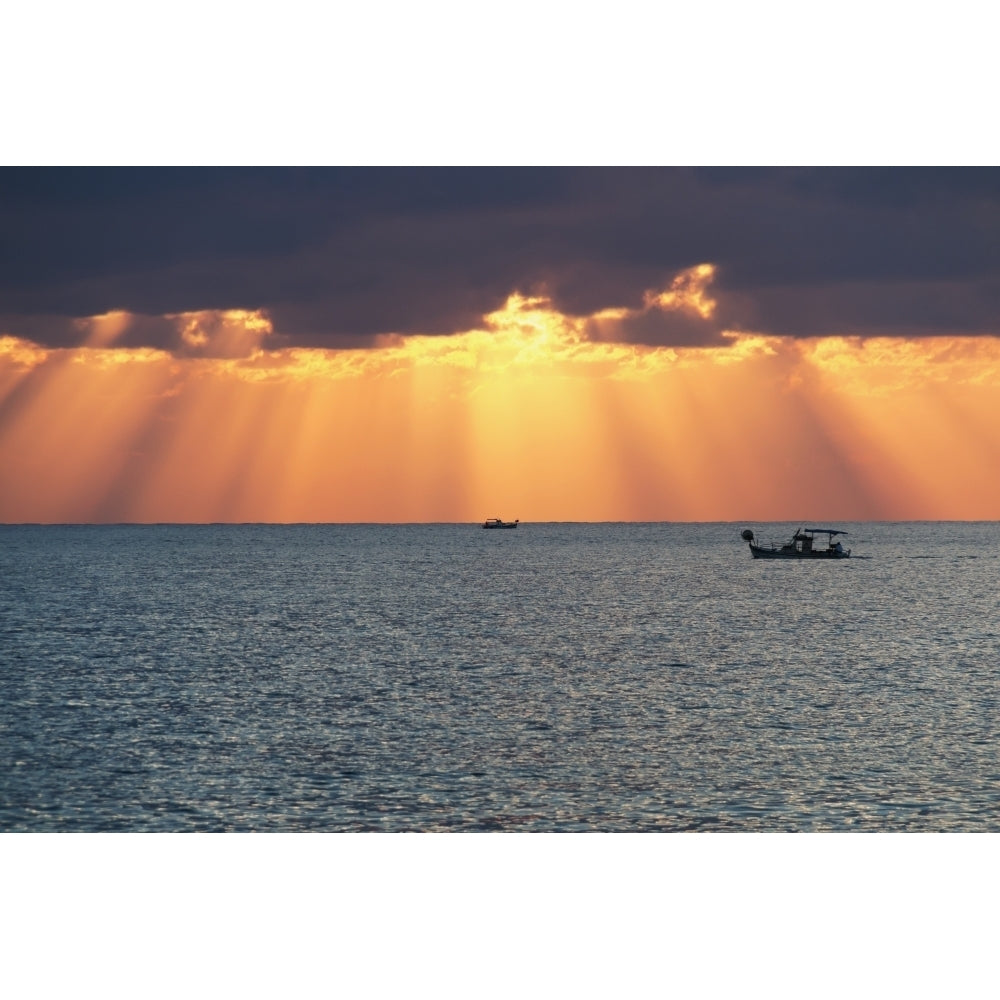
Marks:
<point>614,677</point>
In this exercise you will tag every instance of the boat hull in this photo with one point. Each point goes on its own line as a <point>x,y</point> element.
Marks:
<point>761,553</point>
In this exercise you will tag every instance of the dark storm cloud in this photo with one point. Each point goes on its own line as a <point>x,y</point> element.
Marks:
<point>206,335</point>
<point>338,256</point>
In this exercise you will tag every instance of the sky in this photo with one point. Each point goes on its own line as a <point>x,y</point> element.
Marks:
<point>411,344</point>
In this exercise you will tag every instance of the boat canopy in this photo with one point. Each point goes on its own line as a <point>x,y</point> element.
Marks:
<point>825,531</point>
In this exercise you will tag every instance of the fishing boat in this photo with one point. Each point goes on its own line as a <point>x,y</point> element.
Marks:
<point>495,522</point>
<point>801,546</point>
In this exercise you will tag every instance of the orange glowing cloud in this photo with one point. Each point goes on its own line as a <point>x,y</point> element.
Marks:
<point>530,416</point>
<point>682,315</point>
<point>231,333</point>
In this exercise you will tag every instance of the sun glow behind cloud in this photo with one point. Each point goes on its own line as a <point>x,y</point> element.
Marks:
<point>528,417</point>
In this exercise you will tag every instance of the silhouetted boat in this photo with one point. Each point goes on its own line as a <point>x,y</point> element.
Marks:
<point>801,546</point>
<point>495,522</point>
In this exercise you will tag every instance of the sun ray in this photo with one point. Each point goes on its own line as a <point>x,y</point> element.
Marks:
<point>72,430</point>
<point>523,417</point>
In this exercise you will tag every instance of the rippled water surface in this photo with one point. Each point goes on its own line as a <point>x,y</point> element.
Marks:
<point>441,677</point>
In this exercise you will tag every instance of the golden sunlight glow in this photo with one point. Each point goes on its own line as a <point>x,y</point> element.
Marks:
<point>524,418</point>
<point>686,291</point>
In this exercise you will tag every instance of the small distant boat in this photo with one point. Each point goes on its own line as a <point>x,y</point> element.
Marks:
<point>801,546</point>
<point>495,522</point>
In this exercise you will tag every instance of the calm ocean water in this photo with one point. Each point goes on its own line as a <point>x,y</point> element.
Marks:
<point>560,677</point>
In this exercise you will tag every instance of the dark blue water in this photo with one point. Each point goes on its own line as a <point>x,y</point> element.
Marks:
<point>558,677</point>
